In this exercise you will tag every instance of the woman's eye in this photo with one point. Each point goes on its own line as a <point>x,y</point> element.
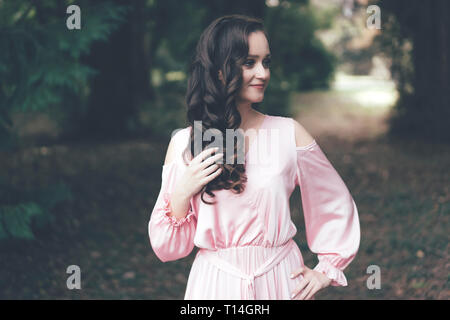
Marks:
<point>267,62</point>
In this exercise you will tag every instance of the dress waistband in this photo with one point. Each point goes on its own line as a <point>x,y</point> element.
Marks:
<point>270,263</point>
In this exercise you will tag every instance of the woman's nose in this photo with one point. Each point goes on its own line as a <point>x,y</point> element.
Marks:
<point>261,72</point>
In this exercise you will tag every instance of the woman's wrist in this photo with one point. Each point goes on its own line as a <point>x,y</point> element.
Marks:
<point>180,204</point>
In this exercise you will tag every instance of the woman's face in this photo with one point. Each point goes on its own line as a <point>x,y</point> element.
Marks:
<point>255,70</point>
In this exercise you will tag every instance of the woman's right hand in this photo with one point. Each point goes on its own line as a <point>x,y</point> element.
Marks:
<point>201,170</point>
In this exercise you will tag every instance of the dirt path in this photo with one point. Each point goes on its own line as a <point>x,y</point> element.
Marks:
<point>356,108</point>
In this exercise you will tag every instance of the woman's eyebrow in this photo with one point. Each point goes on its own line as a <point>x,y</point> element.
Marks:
<point>256,56</point>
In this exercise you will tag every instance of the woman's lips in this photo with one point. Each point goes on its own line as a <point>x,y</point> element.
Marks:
<point>258,86</point>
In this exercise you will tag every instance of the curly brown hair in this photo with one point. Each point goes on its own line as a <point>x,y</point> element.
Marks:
<point>223,46</point>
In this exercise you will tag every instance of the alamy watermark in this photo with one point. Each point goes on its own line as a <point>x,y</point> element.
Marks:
<point>374,281</point>
<point>74,20</point>
<point>258,148</point>
<point>374,20</point>
<point>74,280</point>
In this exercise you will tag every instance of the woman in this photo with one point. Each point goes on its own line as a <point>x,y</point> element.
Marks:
<point>238,213</point>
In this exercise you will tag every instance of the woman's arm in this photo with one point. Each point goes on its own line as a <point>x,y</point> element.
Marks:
<point>172,223</point>
<point>330,213</point>
<point>180,200</point>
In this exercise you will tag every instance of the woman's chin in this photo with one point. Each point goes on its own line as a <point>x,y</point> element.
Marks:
<point>254,99</point>
<point>257,98</point>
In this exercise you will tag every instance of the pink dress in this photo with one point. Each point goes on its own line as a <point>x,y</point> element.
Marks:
<point>246,247</point>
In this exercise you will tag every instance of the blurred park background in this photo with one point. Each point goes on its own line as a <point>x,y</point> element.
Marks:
<point>86,117</point>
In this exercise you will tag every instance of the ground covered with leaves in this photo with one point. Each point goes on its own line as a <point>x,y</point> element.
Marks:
<point>401,190</point>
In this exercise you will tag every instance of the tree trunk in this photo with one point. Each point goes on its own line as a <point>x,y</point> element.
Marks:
<point>430,56</point>
<point>122,82</point>
<point>427,113</point>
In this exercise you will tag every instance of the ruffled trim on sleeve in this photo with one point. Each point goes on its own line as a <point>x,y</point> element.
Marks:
<point>337,276</point>
<point>171,219</point>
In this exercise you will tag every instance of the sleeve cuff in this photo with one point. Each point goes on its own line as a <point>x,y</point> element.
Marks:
<point>337,276</point>
<point>171,219</point>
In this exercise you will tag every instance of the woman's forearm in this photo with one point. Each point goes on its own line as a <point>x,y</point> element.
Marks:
<point>180,203</point>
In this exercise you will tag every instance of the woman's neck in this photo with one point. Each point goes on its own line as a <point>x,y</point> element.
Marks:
<point>249,116</point>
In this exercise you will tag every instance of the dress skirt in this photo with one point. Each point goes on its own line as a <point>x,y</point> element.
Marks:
<point>245,273</point>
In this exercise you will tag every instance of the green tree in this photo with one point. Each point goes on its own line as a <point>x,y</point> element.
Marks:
<point>300,60</point>
<point>41,70</point>
<point>40,59</point>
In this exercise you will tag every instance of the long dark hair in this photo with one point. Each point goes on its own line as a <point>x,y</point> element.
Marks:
<point>222,46</point>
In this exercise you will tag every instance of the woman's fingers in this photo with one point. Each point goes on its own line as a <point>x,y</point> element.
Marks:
<point>207,171</point>
<point>300,287</point>
<point>211,160</point>
<point>312,292</point>
<point>306,291</point>
<point>210,171</point>
<point>302,284</point>
<point>297,272</point>
<point>203,155</point>
<point>213,175</point>
<point>311,283</point>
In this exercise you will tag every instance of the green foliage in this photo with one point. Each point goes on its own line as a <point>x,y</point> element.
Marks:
<point>298,56</point>
<point>299,59</point>
<point>21,210</point>
<point>276,97</point>
<point>16,220</point>
<point>42,69</point>
<point>40,59</point>
<point>166,109</point>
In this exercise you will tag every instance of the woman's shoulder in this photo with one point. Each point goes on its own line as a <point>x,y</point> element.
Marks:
<point>302,136</point>
<point>293,127</point>
<point>179,133</point>
<point>180,137</point>
<point>178,142</point>
<point>281,122</point>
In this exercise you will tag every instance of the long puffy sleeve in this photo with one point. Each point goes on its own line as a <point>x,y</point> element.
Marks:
<point>330,213</point>
<point>170,238</point>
